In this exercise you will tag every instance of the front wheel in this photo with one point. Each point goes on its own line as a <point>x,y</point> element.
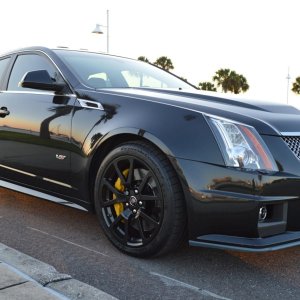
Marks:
<point>139,201</point>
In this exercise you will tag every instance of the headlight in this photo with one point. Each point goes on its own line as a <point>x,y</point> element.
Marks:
<point>241,145</point>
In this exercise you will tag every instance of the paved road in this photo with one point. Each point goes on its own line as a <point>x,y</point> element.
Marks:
<point>73,243</point>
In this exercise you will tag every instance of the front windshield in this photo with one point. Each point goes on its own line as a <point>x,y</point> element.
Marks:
<point>104,71</point>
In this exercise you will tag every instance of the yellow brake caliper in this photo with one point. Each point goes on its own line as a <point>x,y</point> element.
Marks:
<point>119,207</point>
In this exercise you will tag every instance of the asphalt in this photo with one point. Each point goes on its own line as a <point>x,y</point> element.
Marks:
<point>24,277</point>
<point>72,242</point>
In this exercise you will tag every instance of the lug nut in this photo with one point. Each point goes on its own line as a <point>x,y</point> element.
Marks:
<point>127,204</point>
<point>134,211</point>
<point>136,191</point>
<point>140,203</point>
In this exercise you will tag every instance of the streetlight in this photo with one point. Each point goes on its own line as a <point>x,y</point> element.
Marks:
<point>288,85</point>
<point>98,30</point>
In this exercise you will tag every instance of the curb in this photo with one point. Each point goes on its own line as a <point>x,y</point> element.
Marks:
<point>49,277</point>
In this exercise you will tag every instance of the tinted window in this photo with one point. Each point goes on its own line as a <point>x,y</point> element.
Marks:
<point>26,63</point>
<point>3,65</point>
<point>141,80</point>
<point>100,71</point>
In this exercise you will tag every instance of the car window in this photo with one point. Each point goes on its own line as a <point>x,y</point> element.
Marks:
<point>104,71</point>
<point>3,65</point>
<point>26,63</point>
<point>138,79</point>
<point>99,80</point>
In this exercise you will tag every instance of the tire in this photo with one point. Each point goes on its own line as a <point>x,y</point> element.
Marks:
<point>139,201</point>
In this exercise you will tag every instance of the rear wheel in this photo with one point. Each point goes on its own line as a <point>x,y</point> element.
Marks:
<point>138,200</point>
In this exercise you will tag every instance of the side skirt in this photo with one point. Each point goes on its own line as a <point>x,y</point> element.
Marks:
<point>28,191</point>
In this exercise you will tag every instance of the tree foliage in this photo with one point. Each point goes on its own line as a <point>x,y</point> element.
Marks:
<point>230,81</point>
<point>144,59</point>
<point>296,86</point>
<point>207,86</point>
<point>183,78</point>
<point>165,63</point>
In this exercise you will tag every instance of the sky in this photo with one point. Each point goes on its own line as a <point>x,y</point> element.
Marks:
<point>257,38</point>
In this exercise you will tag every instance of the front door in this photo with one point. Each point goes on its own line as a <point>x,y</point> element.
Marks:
<point>35,134</point>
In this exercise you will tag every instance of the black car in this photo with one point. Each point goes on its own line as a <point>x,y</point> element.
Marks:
<point>152,155</point>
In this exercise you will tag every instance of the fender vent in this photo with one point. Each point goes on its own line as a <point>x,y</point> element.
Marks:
<point>293,143</point>
<point>90,104</point>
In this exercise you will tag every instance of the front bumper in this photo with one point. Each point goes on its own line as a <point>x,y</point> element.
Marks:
<point>272,243</point>
<point>223,207</point>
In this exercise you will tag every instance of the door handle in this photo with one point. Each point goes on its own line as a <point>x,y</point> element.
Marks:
<point>4,112</point>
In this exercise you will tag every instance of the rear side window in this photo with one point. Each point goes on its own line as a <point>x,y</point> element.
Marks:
<point>3,65</point>
<point>26,63</point>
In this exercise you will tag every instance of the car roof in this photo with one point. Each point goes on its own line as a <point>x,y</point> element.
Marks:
<point>48,50</point>
<point>34,48</point>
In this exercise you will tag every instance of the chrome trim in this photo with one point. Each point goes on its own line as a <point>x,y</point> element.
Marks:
<point>18,171</point>
<point>296,133</point>
<point>42,195</point>
<point>38,93</point>
<point>20,51</point>
<point>39,177</point>
<point>95,105</point>
<point>60,156</point>
<point>291,144</point>
<point>57,182</point>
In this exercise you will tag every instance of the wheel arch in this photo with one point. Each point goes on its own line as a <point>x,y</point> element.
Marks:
<point>118,137</point>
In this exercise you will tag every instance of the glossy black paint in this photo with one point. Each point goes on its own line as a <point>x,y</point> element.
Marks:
<point>32,148</point>
<point>41,80</point>
<point>61,154</point>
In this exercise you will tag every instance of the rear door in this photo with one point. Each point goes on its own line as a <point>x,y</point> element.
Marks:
<point>35,132</point>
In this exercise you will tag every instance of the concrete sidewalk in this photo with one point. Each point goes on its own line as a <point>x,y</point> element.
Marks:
<point>26,278</point>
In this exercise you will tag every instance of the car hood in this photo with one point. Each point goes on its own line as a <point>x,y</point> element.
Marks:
<point>267,117</point>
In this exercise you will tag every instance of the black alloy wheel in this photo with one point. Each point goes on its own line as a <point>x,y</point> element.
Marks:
<point>138,200</point>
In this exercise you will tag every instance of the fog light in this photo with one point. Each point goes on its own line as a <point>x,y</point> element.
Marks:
<point>262,213</point>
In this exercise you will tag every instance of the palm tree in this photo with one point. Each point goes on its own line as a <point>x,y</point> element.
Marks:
<point>144,59</point>
<point>58,111</point>
<point>222,79</point>
<point>241,84</point>
<point>165,63</point>
<point>230,81</point>
<point>296,86</point>
<point>207,86</point>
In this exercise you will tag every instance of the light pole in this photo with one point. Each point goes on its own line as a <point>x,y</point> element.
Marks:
<point>99,30</point>
<point>288,86</point>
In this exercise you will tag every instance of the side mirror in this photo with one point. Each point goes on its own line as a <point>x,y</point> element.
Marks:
<point>41,80</point>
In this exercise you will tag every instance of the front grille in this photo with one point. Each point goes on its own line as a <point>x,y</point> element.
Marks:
<point>293,143</point>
